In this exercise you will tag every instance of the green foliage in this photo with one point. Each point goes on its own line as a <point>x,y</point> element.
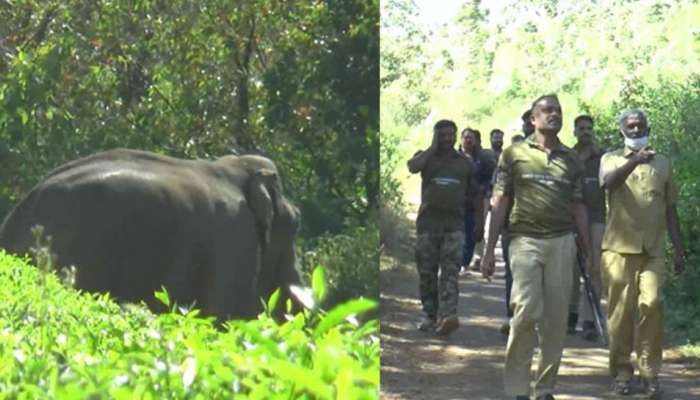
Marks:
<point>328,121</point>
<point>390,188</point>
<point>350,260</point>
<point>294,80</point>
<point>394,228</point>
<point>485,66</point>
<point>57,343</point>
<point>505,54</point>
<point>682,296</point>
<point>395,231</point>
<point>672,108</point>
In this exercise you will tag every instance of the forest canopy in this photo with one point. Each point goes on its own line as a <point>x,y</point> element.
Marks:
<point>197,79</point>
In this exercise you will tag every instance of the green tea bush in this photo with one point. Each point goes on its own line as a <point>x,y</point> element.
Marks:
<point>57,343</point>
<point>351,261</point>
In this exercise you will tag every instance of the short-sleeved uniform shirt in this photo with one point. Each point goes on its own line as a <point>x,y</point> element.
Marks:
<point>543,188</point>
<point>637,209</point>
<point>484,165</point>
<point>593,194</point>
<point>446,182</point>
<point>493,157</point>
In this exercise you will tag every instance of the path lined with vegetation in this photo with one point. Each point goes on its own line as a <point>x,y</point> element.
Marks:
<point>469,363</point>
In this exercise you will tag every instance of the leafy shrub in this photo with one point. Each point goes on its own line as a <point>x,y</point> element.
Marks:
<point>56,343</point>
<point>672,108</point>
<point>682,296</point>
<point>82,77</point>
<point>351,260</point>
<point>394,228</point>
<point>390,191</point>
<point>395,233</point>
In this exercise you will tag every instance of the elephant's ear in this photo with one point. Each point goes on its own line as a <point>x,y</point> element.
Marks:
<point>262,200</point>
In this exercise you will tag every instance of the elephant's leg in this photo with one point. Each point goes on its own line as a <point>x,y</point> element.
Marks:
<point>186,274</point>
<point>233,291</point>
<point>160,262</point>
<point>90,252</point>
<point>147,253</point>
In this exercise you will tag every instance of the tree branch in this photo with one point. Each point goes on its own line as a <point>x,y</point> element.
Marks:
<point>40,33</point>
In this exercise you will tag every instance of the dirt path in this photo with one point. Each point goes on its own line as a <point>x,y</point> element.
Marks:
<point>469,363</point>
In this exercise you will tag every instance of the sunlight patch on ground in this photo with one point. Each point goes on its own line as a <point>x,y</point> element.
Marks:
<point>584,359</point>
<point>402,299</point>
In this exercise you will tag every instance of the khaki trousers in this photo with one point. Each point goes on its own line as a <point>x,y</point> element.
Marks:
<point>634,284</point>
<point>596,231</point>
<point>542,276</point>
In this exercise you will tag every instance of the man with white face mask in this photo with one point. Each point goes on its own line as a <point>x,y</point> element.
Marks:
<point>642,199</point>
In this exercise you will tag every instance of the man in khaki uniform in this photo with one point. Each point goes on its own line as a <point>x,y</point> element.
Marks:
<point>594,198</point>
<point>543,177</point>
<point>642,198</point>
<point>446,181</point>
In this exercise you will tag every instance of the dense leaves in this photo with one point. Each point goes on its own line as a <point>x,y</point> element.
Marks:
<point>351,260</point>
<point>296,80</point>
<point>58,344</point>
<point>323,115</point>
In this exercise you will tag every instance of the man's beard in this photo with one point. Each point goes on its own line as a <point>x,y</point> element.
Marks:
<point>445,146</point>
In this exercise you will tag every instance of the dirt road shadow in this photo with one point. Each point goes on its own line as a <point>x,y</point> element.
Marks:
<point>469,363</point>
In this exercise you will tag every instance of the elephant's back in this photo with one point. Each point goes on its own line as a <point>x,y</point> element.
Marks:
<point>110,192</point>
<point>113,156</point>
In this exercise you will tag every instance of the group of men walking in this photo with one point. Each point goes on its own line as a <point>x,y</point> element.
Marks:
<point>549,202</point>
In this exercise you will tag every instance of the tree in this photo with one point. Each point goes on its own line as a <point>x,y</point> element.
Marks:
<point>296,81</point>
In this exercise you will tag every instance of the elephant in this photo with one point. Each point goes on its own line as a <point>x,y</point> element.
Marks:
<point>216,233</point>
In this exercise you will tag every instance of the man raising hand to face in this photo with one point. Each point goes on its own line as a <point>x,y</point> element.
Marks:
<point>446,180</point>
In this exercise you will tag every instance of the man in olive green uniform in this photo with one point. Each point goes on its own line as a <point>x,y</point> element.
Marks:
<point>594,199</point>
<point>642,198</point>
<point>543,177</point>
<point>447,178</point>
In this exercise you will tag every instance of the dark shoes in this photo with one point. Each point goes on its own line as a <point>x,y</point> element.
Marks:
<point>476,265</point>
<point>505,329</point>
<point>571,323</point>
<point>589,331</point>
<point>541,397</point>
<point>652,387</point>
<point>623,388</point>
<point>427,324</point>
<point>447,325</point>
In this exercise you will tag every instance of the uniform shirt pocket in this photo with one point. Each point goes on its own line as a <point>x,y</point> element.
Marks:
<point>653,183</point>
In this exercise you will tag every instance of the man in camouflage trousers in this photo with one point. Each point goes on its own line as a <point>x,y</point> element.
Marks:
<point>447,180</point>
